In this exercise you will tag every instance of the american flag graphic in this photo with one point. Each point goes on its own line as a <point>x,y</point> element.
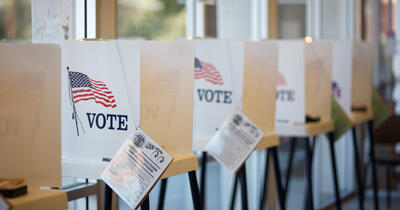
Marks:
<point>207,71</point>
<point>281,81</point>
<point>337,92</point>
<point>84,89</point>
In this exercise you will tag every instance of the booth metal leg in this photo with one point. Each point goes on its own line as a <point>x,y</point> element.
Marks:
<point>358,173</point>
<point>314,139</point>
<point>308,173</point>
<point>87,198</point>
<point>264,186</point>
<point>243,186</point>
<point>306,194</point>
<point>334,170</point>
<point>107,197</point>
<point>388,185</point>
<point>146,204</point>
<point>195,191</point>
<point>234,190</point>
<point>203,170</point>
<point>373,164</point>
<point>292,152</point>
<point>163,189</point>
<point>278,181</point>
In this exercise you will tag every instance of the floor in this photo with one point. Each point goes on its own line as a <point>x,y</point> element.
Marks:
<point>369,202</point>
<point>296,188</point>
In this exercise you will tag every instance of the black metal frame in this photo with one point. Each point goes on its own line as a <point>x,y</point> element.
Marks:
<point>265,181</point>
<point>107,197</point>
<point>234,190</point>
<point>163,189</point>
<point>360,190</point>
<point>373,163</point>
<point>273,151</point>
<point>359,177</point>
<point>203,169</point>
<point>146,204</point>
<point>240,176</point>
<point>308,169</point>
<point>308,174</point>
<point>331,140</point>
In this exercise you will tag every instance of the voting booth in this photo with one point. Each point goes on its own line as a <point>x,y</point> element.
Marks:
<point>259,95</point>
<point>352,78</point>
<point>361,91</point>
<point>100,84</point>
<point>166,100</point>
<point>303,100</point>
<point>30,120</point>
<point>352,88</point>
<point>151,87</point>
<point>259,88</point>
<point>218,83</point>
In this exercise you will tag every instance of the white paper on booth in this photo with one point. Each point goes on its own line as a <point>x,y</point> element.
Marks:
<point>218,85</point>
<point>234,141</point>
<point>342,65</point>
<point>96,110</point>
<point>136,168</point>
<point>290,97</point>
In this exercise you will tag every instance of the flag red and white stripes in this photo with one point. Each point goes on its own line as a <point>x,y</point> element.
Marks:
<point>83,89</point>
<point>281,81</point>
<point>207,71</point>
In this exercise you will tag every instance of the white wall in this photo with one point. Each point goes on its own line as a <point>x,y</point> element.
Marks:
<point>240,19</point>
<point>53,20</point>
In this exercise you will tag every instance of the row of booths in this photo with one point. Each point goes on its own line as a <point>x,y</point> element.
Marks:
<point>178,92</point>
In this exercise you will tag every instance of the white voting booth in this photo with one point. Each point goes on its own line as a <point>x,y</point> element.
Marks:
<point>342,61</point>
<point>161,91</point>
<point>100,103</point>
<point>303,87</point>
<point>218,82</point>
<point>352,78</point>
<point>30,121</point>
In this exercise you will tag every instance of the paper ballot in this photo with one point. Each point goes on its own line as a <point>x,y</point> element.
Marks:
<point>234,141</point>
<point>136,168</point>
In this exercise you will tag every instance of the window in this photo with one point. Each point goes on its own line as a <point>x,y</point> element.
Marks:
<point>15,19</point>
<point>151,19</point>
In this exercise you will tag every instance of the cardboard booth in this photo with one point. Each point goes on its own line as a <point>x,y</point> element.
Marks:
<point>259,88</point>
<point>100,103</point>
<point>352,78</point>
<point>361,91</point>
<point>152,87</point>
<point>30,120</point>
<point>303,100</point>
<point>218,82</point>
<point>166,99</point>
